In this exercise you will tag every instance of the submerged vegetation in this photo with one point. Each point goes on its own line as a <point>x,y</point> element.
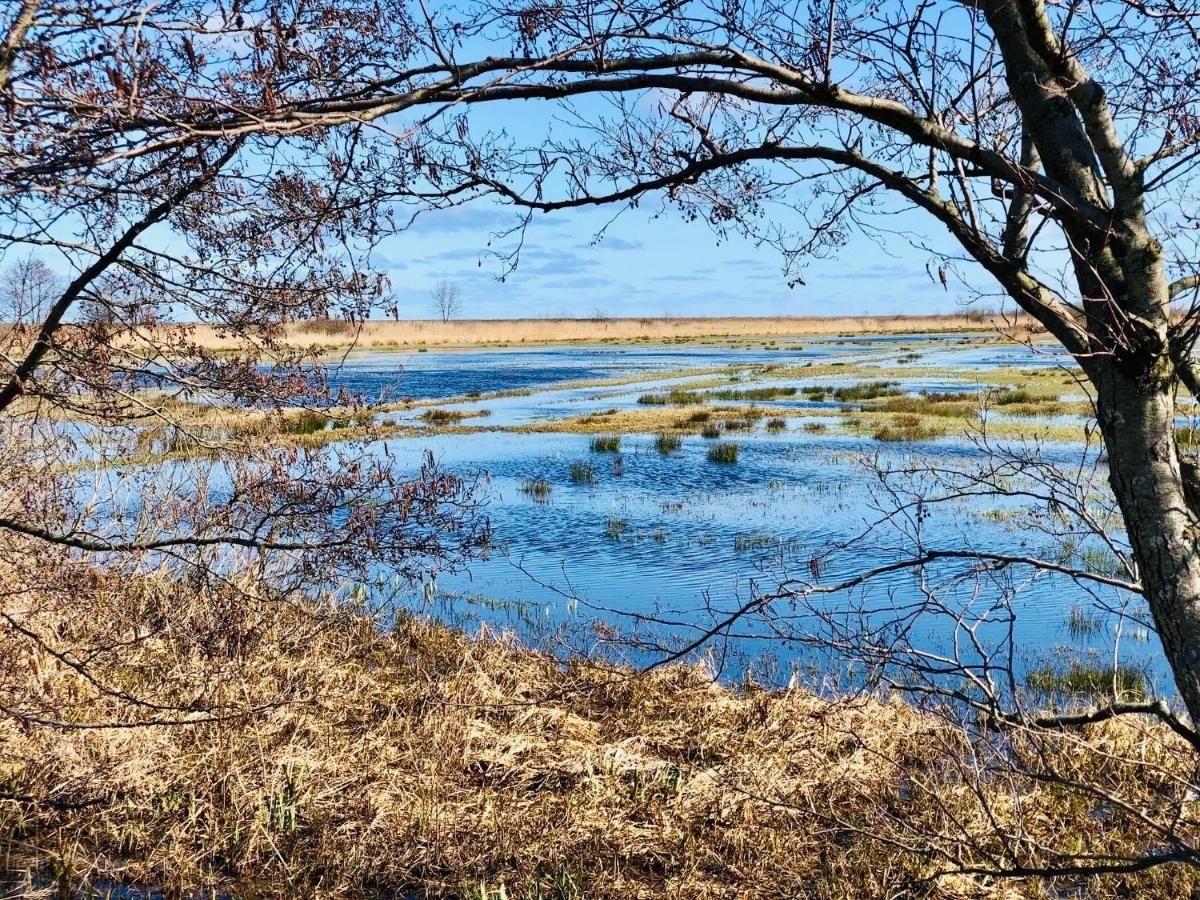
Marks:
<point>1077,678</point>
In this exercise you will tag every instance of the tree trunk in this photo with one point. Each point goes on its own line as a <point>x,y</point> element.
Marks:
<point>1137,418</point>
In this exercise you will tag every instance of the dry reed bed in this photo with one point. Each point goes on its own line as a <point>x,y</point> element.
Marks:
<point>416,759</point>
<point>474,332</point>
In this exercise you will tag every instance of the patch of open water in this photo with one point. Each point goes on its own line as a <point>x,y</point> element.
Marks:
<point>684,540</point>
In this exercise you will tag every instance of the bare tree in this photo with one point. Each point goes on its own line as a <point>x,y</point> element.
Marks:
<point>447,300</point>
<point>27,288</point>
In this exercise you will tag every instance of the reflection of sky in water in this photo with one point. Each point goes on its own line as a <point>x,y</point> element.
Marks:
<point>446,373</point>
<point>696,538</point>
<point>699,538</point>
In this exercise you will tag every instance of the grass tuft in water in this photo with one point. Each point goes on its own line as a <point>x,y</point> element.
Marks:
<point>538,489</point>
<point>674,398</point>
<point>723,452</point>
<point>442,416</point>
<point>606,443</point>
<point>1083,622</point>
<point>1084,679</point>
<point>614,528</point>
<point>711,431</point>
<point>668,443</point>
<point>766,393</point>
<point>867,390</point>
<point>776,425</point>
<point>583,473</point>
<point>906,428</point>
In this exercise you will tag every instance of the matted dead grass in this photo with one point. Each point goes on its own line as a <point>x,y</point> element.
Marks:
<point>416,761</point>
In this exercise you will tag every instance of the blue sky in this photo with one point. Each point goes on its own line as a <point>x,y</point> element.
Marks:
<point>646,266</point>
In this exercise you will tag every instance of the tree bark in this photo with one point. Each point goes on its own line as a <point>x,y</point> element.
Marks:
<point>1137,420</point>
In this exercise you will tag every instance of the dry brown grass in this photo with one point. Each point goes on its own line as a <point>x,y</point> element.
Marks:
<point>509,332</point>
<point>416,759</point>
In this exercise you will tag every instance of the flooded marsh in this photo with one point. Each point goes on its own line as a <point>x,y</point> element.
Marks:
<point>638,496</point>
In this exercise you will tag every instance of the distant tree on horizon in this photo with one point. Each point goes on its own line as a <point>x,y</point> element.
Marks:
<point>447,300</point>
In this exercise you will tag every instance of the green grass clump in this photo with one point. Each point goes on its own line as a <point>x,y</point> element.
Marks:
<point>776,425</point>
<point>583,473</point>
<point>815,427</point>
<point>723,452</point>
<point>744,424</point>
<point>538,489</point>
<point>674,398</point>
<point>905,428</point>
<point>711,430</point>
<point>668,443</point>
<point>867,390</point>
<point>766,393</point>
<point>614,528</point>
<point>303,421</point>
<point>933,405</point>
<point>606,443</point>
<point>1014,395</point>
<point>1085,679</point>
<point>814,392</point>
<point>442,416</point>
<point>1083,622</point>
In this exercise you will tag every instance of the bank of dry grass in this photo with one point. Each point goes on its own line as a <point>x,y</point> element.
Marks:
<point>498,332</point>
<point>415,761</point>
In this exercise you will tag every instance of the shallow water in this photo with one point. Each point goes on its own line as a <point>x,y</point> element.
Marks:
<point>685,541</point>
